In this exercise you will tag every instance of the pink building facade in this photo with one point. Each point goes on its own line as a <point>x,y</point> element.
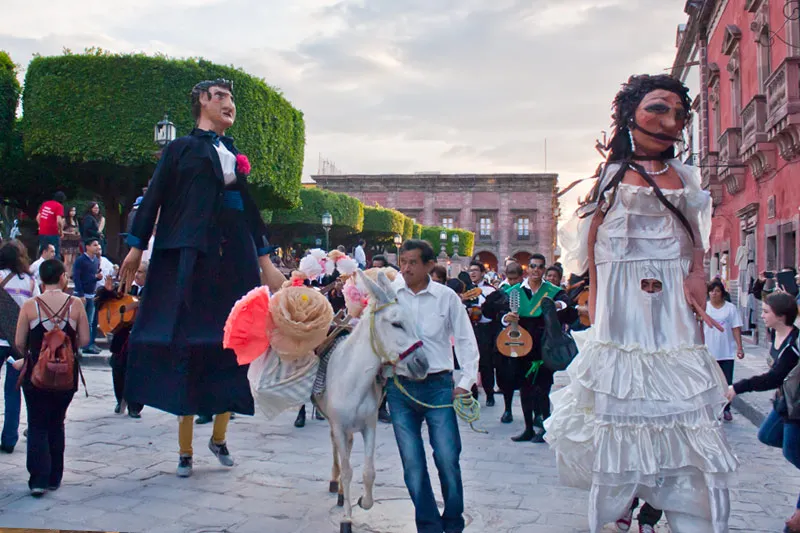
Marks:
<point>512,215</point>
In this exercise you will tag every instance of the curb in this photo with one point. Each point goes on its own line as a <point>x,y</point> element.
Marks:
<point>749,411</point>
<point>94,361</point>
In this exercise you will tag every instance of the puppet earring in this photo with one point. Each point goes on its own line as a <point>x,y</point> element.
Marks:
<point>633,143</point>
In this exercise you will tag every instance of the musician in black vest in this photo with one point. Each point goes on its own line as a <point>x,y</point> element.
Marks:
<point>533,379</point>
<point>485,330</point>
<point>209,246</point>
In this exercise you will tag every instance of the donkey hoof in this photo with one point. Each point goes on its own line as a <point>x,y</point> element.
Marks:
<point>361,504</point>
<point>340,501</point>
<point>333,488</point>
<point>346,527</point>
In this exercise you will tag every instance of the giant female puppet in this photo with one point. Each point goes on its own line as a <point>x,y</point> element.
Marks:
<point>640,417</point>
<point>209,246</point>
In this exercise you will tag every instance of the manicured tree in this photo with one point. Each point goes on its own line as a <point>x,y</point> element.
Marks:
<point>95,113</point>
<point>304,223</point>
<point>466,239</point>
<point>381,225</point>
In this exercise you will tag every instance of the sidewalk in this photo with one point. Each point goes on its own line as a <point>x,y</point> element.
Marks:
<point>755,406</point>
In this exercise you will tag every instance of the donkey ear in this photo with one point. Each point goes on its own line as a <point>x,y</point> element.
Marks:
<point>386,285</point>
<point>373,288</point>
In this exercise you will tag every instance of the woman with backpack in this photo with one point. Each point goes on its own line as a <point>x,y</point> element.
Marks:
<point>779,430</point>
<point>19,287</point>
<point>52,326</point>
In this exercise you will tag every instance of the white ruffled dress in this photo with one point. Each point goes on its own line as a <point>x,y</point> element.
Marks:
<point>640,416</point>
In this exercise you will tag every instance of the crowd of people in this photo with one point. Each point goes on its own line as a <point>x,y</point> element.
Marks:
<point>641,420</point>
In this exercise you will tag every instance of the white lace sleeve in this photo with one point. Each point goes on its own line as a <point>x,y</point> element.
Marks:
<point>573,235</point>
<point>698,202</point>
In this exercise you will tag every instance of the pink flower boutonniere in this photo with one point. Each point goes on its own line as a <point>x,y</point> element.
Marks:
<point>242,165</point>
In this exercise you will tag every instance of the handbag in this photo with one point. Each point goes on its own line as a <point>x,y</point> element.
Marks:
<point>787,403</point>
<point>558,346</point>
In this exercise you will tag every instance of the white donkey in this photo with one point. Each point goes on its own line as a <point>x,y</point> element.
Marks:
<point>384,336</point>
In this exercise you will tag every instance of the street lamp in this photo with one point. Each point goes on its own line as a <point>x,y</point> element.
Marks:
<point>398,241</point>
<point>327,223</point>
<point>443,242</point>
<point>454,239</point>
<point>164,132</point>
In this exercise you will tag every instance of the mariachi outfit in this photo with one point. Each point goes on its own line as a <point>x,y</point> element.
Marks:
<point>205,257</point>
<point>485,334</point>
<point>527,373</point>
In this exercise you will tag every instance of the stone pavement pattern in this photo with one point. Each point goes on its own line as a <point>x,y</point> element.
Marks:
<point>120,476</point>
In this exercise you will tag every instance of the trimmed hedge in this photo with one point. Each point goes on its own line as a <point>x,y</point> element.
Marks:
<point>101,108</point>
<point>382,222</point>
<point>408,228</point>
<point>466,239</point>
<point>347,212</point>
<point>9,99</point>
<point>417,234</point>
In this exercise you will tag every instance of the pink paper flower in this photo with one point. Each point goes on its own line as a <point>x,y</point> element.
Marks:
<point>243,164</point>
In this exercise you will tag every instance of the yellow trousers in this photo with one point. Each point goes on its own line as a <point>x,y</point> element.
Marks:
<point>186,431</point>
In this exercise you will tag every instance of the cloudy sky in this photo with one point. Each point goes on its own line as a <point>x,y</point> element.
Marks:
<point>399,85</point>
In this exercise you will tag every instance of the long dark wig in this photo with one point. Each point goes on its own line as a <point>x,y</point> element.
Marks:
<point>620,149</point>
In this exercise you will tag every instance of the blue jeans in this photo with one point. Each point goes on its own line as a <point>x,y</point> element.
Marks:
<point>785,434</point>
<point>91,314</point>
<point>445,440</point>
<point>13,402</point>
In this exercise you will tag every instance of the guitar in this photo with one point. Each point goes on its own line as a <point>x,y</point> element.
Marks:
<point>514,341</point>
<point>582,304</point>
<point>117,313</point>
<point>471,294</point>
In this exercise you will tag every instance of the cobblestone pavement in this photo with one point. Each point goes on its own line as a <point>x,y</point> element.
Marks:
<point>120,475</point>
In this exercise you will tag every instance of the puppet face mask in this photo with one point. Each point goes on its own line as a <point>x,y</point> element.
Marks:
<point>658,122</point>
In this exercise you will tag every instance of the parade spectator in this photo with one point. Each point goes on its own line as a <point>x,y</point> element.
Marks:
<point>48,252</point>
<point>359,255</point>
<point>93,224</point>
<point>71,238</point>
<point>47,409</point>
<point>51,222</point>
<point>85,275</point>
<point>379,261</point>
<point>779,312</point>
<point>554,275</point>
<point>439,274</point>
<point>724,344</point>
<point>439,314</point>
<point>21,286</point>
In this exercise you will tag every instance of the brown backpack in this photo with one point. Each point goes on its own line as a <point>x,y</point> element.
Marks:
<point>55,368</point>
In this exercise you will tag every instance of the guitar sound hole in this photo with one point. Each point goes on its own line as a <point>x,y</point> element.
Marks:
<point>514,334</point>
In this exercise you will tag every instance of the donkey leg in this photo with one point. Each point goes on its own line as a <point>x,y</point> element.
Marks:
<point>366,500</point>
<point>343,445</point>
<point>333,488</point>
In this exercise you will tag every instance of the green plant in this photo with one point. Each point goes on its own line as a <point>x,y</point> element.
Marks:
<point>9,99</point>
<point>306,219</point>
<point>408,228</point>
<point>466,239</point>
<point>382,224</point>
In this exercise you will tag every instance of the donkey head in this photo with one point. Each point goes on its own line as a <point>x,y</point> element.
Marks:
<point>394,331</point>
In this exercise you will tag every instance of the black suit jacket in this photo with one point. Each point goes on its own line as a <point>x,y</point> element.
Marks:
<point>187,187</point>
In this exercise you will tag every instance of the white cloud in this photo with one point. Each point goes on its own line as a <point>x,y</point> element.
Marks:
<point>400,86</point>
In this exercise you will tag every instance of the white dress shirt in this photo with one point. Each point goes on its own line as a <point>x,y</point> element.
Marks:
<point>34,270</point>
<point>228,163</point>
<point>439,314</point>
<point>360,256</point>
<point>486,290</point>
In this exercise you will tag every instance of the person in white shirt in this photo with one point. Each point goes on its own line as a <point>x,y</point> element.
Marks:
<point>724,344</point>
<point>359,255</point>
<point>439,314</point>
<point>48,252</point>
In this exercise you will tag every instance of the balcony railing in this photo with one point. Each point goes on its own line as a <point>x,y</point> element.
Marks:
<point>783,108</point>
<point>731,171</point>
<point>708,171</point>
<point>755,151</point>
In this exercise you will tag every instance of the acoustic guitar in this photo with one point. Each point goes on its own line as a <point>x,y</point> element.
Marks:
<point>117,313</point>
<point>514,341</point>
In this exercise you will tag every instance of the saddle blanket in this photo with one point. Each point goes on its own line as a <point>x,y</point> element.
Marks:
<point>278,385</point>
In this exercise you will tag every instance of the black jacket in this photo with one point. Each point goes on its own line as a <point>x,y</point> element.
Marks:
<point>785,358</point>
<point>187,187</point>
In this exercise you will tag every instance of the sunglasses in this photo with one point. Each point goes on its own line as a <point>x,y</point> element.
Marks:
<point>538,266</point>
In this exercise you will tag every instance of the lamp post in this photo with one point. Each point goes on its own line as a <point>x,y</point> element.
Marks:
<point>327,223</point>
<point>398,241</point>
<point>443,242</point>
<point>456,261</point>
<point>164,132</point>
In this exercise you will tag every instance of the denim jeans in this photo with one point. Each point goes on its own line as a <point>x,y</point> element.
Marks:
<point>13,402</point>
<point>407,417</point>
<point>91,314</point>
<point>780,433</point>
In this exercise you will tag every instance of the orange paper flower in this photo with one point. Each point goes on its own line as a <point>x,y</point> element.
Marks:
<point>249,326</point>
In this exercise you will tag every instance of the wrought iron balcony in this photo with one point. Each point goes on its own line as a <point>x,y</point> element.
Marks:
<point>730,170</point>
<point>708,171</point>
<point>755,151</point>
<point>783,108</point>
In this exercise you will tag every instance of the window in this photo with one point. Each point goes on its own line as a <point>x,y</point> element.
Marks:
<point>736,90</point>
<point>485,228</point>
<point>448,222</point>
<point>772,253</point>
<point>523,227</point>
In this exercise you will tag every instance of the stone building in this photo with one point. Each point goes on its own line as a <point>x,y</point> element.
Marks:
<point>747,105</point>
<point>512,215</point>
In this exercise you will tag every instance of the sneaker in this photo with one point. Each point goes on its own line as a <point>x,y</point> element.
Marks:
<point>624,523</point>
<point>91,351</point>
<point>647,529</point>
<point>37,492</point>
<point>134,414</point>
<point>727,416</point>
<point>184,466</point>
<point>221,452</point>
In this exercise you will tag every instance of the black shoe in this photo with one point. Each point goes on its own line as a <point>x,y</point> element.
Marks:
<point>384,416</point>
<point>5,448</point>
<point>538,422</point>
<point>203,419</point>
<point>120,408</point>
<point>51,488</point>
<point>134,414</point>
<point>507,418</point>
<point>525,436</point>
<point>318,415</point>
<point>233,416</point>
<point>490,401</point>
<point>300,421</point>
<point>539,437</point>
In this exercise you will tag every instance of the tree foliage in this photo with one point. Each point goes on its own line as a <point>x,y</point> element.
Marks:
<point>99,109</point>
<point>382,224</point>
<point>466,239</point>
<point>306,219</point>
<point>408,228</point>
<point>9,99</point>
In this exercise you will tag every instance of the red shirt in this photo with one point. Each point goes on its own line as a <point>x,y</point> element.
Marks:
<point>48,217</point>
